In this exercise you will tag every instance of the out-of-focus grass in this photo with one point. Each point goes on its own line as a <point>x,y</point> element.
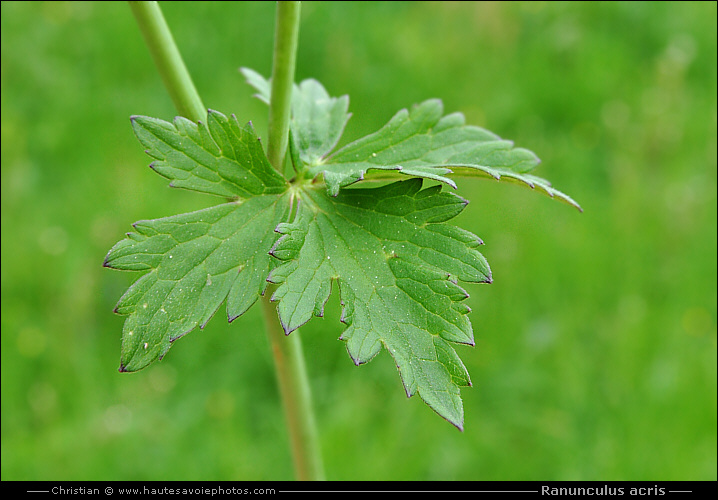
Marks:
<point>596,344</point>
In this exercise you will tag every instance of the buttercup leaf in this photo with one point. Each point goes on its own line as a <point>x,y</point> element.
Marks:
<point>218,157</point>
<point>396,265</point>
<point>418,143</point>
<point>317,120</point>
<point>389,251</point>
<point>422,143</point>
<point>195,262</point>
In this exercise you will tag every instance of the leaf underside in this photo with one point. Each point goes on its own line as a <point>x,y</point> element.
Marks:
<point>388,250</point>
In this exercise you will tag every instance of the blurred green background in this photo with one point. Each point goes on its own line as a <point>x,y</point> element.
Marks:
<point>596,343</point>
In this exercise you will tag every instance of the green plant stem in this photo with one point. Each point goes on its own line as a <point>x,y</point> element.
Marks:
<point>168,60</point>
<point>288,358</point>
<point>287,351</point>
<point>286,36</point>
<point>296,397</point>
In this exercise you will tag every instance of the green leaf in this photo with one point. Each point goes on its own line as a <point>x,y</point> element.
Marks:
<point>422,143</point>
<point>389,250</point>
<point>317,120</point>
<point>195,261</point>
<point>261,84</point>
<point>396,265</point>
<point>418,143</point>
<point>218,157</point>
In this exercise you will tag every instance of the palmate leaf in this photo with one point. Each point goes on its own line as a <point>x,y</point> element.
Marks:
<point>388,250</point>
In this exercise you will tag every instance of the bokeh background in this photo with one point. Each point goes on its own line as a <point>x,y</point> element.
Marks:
<point>596,344</point>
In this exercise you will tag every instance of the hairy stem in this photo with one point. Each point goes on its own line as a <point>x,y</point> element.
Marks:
<point>288,358</point>
<point>168,60</point>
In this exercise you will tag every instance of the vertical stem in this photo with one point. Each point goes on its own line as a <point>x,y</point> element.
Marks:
<point>296,396</point>
<point>288,358</point>
<point>168,60</point>
<point>286,36</point>
<point>287,351</point>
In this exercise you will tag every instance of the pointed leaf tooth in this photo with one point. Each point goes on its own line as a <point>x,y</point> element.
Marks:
<point>257,81</point>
